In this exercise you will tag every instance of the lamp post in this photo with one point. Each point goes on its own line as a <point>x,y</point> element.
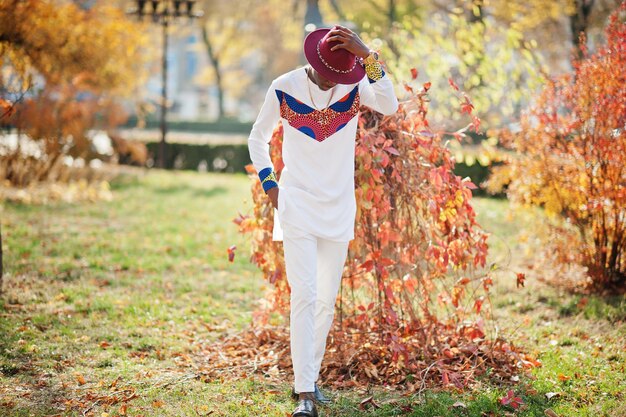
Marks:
<point>164,12</point>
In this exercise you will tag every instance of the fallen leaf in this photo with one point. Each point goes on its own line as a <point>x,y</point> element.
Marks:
<point>231,253</point>
<point>511,400</point>
<point>550,413</point>
<point>114,383</point>
<point>368,401</point>
<point>550,395</point>
<point>204,409</point>
<point>459,404</point>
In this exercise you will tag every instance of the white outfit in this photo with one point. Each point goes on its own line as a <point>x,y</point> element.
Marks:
<point>314,267</point>
<point>316,201</point>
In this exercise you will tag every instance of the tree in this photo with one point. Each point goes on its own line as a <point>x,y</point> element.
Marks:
<point>240,36</point>
<point>579,21</point>
<point>228,39</point>
<point>76,63</point>
<point>542,20</point>
<point>378,18</point>
<point>571,158</point>
<point>57,42</point>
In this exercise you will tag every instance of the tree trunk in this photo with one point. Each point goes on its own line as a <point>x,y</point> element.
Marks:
<point>312,15</point>
<point>475,17</point>
<point>392,15</point>
<point>215,62</point>
<point>337,9</point>
<point>579,22</point>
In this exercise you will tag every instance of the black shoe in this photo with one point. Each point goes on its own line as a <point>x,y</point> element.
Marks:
<point>306,408</point>
<point>320,398</point>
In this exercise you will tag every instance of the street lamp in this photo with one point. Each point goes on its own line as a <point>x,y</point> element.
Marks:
<point>164,12</point>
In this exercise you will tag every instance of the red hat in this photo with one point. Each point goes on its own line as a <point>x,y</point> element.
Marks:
<point>339,66</point>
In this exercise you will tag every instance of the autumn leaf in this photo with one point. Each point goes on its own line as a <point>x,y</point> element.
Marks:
<point>478,304</point>
<point>550,395</point>
<point>453,84</point>
<point>368,265</point>
<point>392,150</point>
<point>511,400</point>
<point>475,124</point>
<point>466,106</point>
<point>550,413</point>
<point>239,219</point>
<point>469,184</point>
<point>521,277</point>
<point>231,253</point>
<point>414,73</point>
<point>369,401</point>
<point>6,109</point>
<point>79,378</point>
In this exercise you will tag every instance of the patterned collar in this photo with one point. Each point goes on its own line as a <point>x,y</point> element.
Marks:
<point>319,124</point>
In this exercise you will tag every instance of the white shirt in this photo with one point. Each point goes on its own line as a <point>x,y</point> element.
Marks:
<point>316,186</point>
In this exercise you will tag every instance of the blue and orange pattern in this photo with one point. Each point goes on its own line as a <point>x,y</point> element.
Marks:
<point>319,124</point>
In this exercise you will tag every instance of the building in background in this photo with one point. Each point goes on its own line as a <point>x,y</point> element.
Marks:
<point>192,99</point>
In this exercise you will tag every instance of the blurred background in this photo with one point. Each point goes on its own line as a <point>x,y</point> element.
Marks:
<point>178,84</point>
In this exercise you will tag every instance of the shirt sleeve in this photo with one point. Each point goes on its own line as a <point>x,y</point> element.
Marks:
<point>378,95</point>
<point>260,136</point>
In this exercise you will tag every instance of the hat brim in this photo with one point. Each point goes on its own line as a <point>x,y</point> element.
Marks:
<point>310,52</point>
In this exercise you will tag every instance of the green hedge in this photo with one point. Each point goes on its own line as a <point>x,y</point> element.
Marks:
<point>216,158</point>
<point>478,174</point>
<point>220,126</point>
<point>234,158</point>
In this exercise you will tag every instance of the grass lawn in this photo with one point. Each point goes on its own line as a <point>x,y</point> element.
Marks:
<point>104,303</point>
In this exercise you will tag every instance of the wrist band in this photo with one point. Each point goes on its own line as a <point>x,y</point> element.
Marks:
<point>268,179</point>
<point>374,71</point>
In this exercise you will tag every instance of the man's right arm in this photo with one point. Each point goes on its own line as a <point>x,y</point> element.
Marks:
<point>258,144</point>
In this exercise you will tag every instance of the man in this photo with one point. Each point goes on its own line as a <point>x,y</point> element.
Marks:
<point>314,200</point>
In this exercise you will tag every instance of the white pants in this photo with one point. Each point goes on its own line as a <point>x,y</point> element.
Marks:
<point>314,268</point>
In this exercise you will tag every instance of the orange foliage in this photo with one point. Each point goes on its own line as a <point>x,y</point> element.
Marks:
<point>83,62</point>
<point>62,41</point>
<point>571,159</point>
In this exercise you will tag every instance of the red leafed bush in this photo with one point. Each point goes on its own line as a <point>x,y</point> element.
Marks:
<point>571,160</point>
<point>413,294</point>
